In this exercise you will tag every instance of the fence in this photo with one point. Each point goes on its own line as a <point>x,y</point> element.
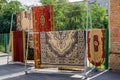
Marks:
<point>4,41</point>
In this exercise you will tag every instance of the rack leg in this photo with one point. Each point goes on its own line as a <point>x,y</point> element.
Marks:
<point>110,69</point>
<point>95,70</point>
<point>85,77</point>
<point>26,72</point>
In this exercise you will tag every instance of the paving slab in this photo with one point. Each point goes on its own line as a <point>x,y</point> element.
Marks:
<point>16,71</point>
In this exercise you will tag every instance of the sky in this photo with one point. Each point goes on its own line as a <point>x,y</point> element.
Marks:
<point>29,2</point>
<point>75,0</point>
<point>35,2</point>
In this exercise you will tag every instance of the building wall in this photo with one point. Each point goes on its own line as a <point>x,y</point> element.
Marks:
<point>114,25</point>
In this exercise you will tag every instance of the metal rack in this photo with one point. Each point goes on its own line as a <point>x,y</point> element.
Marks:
<point>85,61</point>
<point>85,73</point>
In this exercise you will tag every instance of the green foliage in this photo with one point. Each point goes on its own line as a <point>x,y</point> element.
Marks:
<point>99,16</point>
<point>6,10</point>
<point>53,1</point>
<point>2,49</point>
<point>73,16</point>
<point>67,16</point>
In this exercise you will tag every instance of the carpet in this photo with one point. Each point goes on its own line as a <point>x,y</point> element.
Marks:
<point>62,48</point>
<point>37,50</point>
<point>96,46</point>
<point>24,20</point>
<point>18,46</point>
<point>43,18</point>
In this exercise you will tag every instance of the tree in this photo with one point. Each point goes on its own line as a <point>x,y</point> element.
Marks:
<point>73,16</point>
<point>99,16</point>
<point>7,8</point>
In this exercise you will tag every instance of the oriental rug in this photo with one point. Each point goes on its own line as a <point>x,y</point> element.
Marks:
<point>37,50</point>
<point>43,18</point>
<point>62,48</point>
<point>24,20</point>
<point>18,46</point>
<point>96,46</point>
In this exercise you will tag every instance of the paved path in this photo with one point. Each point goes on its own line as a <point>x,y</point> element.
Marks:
<point>16,72</point>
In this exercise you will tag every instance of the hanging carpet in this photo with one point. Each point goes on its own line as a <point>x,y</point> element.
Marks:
<point>43,20</point>
<point>18,46</point>
<point>37,50</point>
<point>96,46</point>
<point>62,48</point>
<point>24,20</point>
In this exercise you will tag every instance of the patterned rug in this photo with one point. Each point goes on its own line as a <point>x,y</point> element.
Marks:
<point>24,20</point>
<point>18,46</point>
<point>37,50</point>
<point>96,46</point>
<point>62,48</point>
<point>43,20</point>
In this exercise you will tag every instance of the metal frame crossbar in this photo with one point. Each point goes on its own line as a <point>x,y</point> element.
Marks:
<point>85,73</point>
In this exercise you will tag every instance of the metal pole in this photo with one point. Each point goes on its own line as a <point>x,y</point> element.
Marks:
<point>28,36</point>
<point>86,49</point>
<point>92,38</point>
<point>94,68</point>
<point>106,48</point>
<point>11,25</point>
<point>107,39</point>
